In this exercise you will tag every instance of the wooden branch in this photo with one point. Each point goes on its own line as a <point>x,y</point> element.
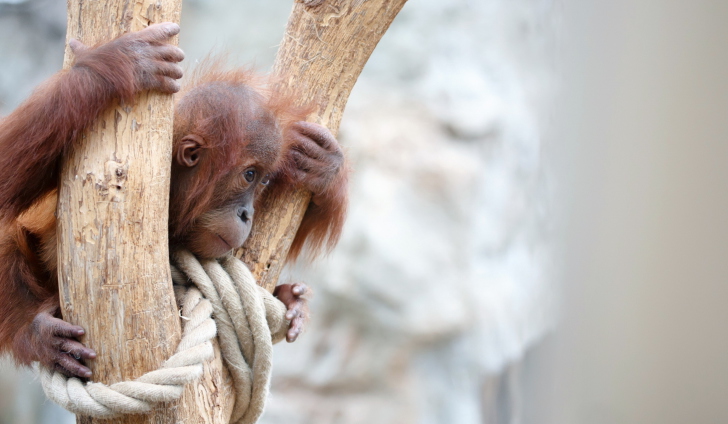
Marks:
<point>325,47</point>
<point>113,252</point>
<point>114,270</point>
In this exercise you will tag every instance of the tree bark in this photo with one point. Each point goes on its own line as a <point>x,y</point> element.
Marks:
<point>325,47</point>
<point>114,273</point>
<point>113,205</point>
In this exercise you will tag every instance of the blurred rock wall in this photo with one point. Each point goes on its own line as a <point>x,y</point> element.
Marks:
<point>441,282</point>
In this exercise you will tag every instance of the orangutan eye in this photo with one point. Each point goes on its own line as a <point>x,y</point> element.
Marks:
<point>249,175</point>
<point>266,180</point>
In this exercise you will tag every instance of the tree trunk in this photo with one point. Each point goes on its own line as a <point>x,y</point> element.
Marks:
<point>113,204</point>
<point>325,47</point>
<point>114,270</point>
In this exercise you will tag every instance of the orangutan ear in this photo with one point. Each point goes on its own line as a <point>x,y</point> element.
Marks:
<point>189,150</point>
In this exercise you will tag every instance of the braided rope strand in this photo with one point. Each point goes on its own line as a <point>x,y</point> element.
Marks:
<point>248,320</point>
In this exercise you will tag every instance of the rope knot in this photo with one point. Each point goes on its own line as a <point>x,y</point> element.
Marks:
<point>248,321</point>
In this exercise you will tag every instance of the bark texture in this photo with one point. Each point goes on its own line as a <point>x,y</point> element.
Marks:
<point>325,47</point>
<point>113,248</point>
<point>114,270</point>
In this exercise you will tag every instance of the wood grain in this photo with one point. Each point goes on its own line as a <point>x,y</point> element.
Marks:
<point>114,271</point>
<point>324,49</point>
<point>113,203</point>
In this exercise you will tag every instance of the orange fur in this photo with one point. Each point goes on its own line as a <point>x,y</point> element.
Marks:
<point>219,105</point>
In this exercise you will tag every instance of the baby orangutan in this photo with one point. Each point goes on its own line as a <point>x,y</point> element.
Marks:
<point>232,140</point>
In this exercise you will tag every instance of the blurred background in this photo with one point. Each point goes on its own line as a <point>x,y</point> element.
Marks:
<point>537,230</point>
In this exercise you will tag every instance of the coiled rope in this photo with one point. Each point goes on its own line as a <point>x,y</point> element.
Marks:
<point>248,321</point>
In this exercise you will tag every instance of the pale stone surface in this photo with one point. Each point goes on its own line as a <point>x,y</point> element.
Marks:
<point>441,279</point>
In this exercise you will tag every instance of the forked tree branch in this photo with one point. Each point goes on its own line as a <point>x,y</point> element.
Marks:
<point>113,254</point>
<point>325,47</point>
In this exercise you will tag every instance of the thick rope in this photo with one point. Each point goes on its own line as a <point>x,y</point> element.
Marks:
<point>248,321</point>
